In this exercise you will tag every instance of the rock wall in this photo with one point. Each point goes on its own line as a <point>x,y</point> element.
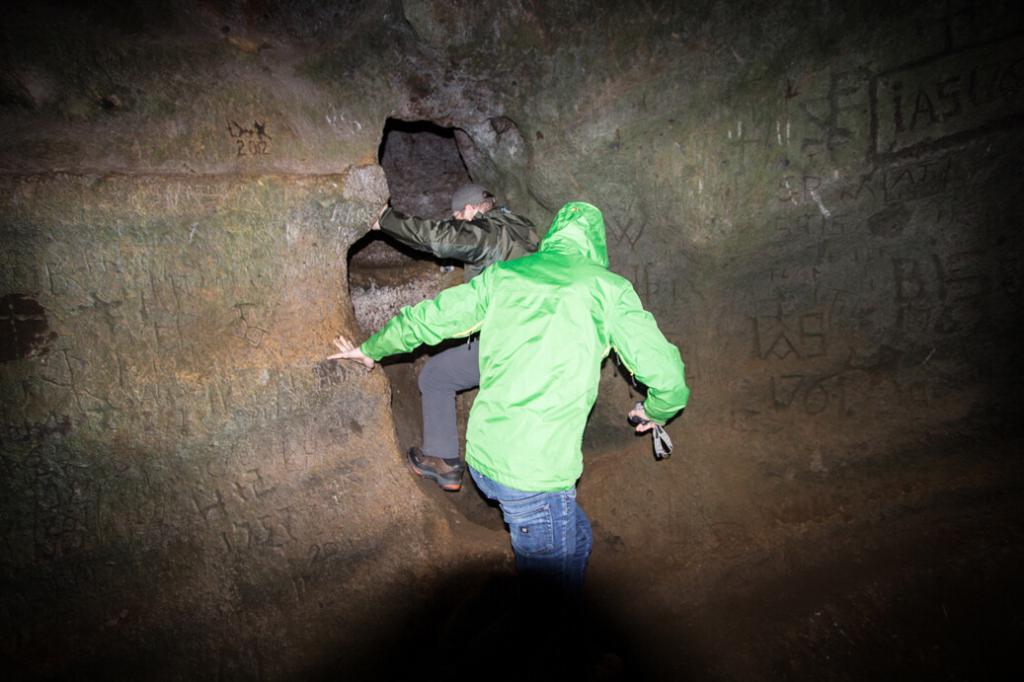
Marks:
<point>189,491</point>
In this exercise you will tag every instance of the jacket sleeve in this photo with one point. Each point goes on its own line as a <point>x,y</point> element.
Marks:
<point>646,353</point>
<point>455,313</point>
<point>462,240</point>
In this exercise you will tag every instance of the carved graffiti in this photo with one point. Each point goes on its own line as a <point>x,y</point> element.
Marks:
<point>796,190</point>
<point>238,508</point>
<point>812,394</point>
<point>940,294</point>
<point>628,228</point>
<point>245,327</point>
<point>267,530</point>
<point>787,227</point>
<point>948,97</point>
<point>906,181</point>
<point>836,114</point>
<point>779,336</point>
<point>252,141</point>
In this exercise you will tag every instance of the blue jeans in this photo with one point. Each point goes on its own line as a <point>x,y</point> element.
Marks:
<point>551,536</point>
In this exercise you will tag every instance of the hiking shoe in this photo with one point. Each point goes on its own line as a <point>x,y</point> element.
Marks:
<point>448,476</point>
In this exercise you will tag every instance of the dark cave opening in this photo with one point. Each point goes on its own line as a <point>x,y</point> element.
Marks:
<point>423,166</point>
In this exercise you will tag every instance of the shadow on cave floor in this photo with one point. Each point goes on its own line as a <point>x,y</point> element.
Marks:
<point>928,593</point>
<point>933,619</point>
<point>493,633</point>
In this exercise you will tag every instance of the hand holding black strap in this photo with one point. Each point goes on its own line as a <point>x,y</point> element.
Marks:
<point>660,437</point>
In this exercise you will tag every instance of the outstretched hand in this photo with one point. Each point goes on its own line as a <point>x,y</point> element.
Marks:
<point>644,425</point>
<point>350,351</point>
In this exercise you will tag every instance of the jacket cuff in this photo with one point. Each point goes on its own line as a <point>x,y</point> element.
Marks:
<point>388,220</point>
<point>657,417</point>
<point>368,352</point>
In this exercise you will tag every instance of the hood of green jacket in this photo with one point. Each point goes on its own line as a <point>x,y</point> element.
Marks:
<point>578,229</point>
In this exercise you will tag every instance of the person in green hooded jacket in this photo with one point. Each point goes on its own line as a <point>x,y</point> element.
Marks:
<point>546,321</point>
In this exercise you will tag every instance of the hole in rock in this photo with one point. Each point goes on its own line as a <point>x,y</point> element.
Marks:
<point>423,167</point>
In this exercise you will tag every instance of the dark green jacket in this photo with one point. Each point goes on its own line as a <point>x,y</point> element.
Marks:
<point>495,236</point>
<point>546,320</point>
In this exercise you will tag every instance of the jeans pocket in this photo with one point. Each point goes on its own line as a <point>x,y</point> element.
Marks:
<point>529,524</point>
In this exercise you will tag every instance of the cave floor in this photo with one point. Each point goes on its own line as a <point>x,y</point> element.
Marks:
<point>929,592</point>
<point>935,595</point>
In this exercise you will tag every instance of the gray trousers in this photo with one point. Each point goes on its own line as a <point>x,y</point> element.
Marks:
<point>444,375</point>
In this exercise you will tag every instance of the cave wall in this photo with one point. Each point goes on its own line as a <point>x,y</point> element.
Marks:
<point>819,202</point>
<point>189,492</point>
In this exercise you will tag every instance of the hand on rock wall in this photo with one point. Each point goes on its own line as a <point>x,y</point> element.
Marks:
<point>350,351</point>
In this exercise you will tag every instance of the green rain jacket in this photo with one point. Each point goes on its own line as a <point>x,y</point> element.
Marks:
<point>494,236</point>
<point>546,321</point>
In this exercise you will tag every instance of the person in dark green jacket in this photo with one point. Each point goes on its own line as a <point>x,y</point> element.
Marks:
<point>478,234</point>
<point>546,322</point>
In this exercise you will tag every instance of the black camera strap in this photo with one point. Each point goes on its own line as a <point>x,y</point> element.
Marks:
<point>662,442</point>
